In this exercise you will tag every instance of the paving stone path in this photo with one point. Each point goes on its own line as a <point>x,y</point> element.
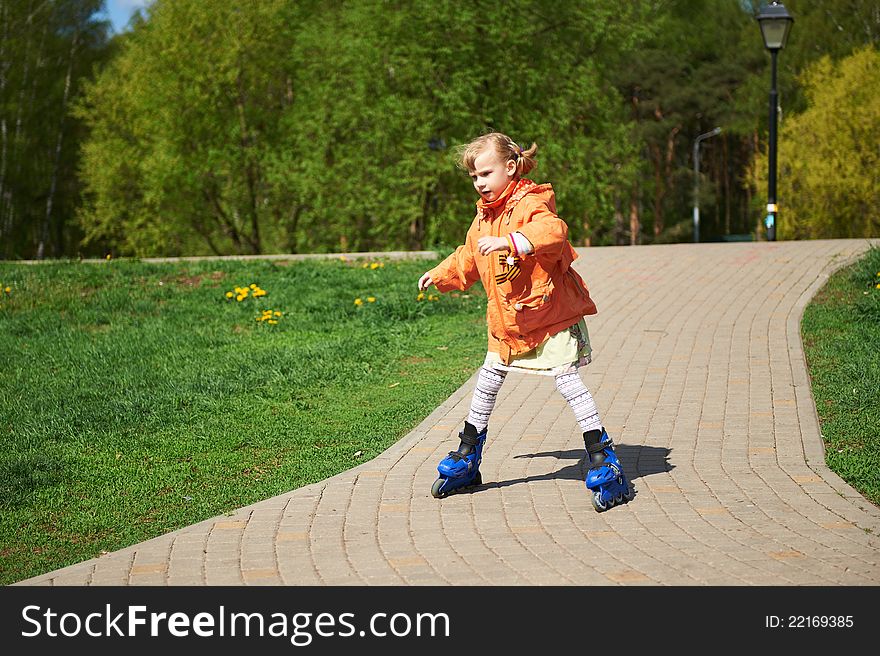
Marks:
<point>700,376</point>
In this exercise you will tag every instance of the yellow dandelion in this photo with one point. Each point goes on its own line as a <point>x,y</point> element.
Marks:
<point>240,297</point>
<point>878,286</point>
<point>259,292</point>
<point>374,265</point>
<point>421,296</point>
<point>273,321</point>
<point>342,258</point>
<point>253,285</point>
<point>371,299</point>
<point>277,313</point>
<point>366,264</point>
<point>229,294</point>
<point>358,302</point>
<point>108,256</point>
<point>8,290</point>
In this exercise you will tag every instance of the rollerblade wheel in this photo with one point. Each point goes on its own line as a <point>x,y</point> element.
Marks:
<point>598,504</point>
<point>435,488</point>
<point>478,479</point>
<point>629,494</point>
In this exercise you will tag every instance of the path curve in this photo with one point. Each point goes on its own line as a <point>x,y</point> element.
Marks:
<point>700,377</point>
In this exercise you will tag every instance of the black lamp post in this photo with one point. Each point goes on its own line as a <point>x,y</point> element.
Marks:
<point>775,22</point>
<point>697,141</point>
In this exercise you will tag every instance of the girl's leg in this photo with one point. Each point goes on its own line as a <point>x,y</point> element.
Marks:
<point>489,382</point>
<point>605,479</point>
<point>581,401</point>
<point>485,393</point>
<point>461,468</point>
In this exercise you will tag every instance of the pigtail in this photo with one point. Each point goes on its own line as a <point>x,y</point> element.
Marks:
<point>525,159</point>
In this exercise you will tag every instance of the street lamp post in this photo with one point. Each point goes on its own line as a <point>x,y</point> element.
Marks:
<point>697,141</point>
<point>775,23</point>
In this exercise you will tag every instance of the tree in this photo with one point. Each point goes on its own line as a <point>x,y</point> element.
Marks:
<point>275,126</point>
<point>828,158</point>
<point>47,48</point>
<point>683,81</point>
<point>184,131</point>
<point>392,92</point>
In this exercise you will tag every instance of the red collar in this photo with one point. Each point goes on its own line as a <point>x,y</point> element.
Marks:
<point>487,210</point>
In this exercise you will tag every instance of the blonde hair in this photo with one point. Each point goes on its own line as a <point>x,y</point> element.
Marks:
<point>506,149</point>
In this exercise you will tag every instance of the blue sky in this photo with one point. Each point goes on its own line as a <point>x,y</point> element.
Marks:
<point>120,11</point>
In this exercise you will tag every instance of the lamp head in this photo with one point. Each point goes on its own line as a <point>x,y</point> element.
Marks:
<point>775,22</point>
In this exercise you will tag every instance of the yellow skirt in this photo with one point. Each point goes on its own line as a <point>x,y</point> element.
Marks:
<point>562,353</point>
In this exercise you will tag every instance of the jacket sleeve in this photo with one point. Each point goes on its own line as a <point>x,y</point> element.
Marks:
<point>459,270</point>
<point>547,233</point>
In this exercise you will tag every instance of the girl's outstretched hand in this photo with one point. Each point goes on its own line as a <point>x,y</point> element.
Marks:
<point>425,282</point>
<point>488,245</point>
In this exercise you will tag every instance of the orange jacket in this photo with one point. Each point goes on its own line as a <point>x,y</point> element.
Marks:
<point>541,294</point>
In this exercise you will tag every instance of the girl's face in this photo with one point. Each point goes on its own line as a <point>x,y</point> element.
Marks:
<point>491,174</point>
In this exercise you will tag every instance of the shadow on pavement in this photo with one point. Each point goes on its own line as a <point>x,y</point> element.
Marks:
<point>637,461</point>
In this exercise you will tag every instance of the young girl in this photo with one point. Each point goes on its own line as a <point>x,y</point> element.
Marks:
<point>518,248</point>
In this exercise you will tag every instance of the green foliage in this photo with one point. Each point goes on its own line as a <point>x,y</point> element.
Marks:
<point>184,131</point>
<point>683,81</point>
<point>822,28</point>
<point>828,158</point>
<point>137,398</point>
<point>841,329</point>
<point>307,126</point>
<point>333,129</point>
<point>47,48</point>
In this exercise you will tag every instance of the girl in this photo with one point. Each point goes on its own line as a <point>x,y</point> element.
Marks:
<point>518,248</point>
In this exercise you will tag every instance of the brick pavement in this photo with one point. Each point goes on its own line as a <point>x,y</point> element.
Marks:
<point>700,377</point>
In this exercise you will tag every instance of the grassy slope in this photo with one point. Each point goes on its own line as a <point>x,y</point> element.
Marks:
<point>841,333</point>
<point>136,398</point>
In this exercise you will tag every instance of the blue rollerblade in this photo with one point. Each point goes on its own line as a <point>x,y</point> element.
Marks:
<point>461,468</point>
<point>605,479</point>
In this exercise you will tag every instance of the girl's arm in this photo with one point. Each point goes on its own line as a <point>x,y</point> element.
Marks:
<point>545,231</point>
<point>458,271</point>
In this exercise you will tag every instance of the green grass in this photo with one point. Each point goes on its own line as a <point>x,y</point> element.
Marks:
<point>136,398</point>
<point>841,334</point>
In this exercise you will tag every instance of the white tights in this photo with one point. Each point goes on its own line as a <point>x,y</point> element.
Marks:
<point>569,385</point>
